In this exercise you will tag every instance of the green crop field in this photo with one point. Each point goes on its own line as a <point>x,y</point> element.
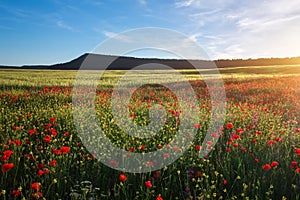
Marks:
<point>256,156</point>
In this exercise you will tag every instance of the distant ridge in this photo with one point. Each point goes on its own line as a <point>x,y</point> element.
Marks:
<point>96,61</point>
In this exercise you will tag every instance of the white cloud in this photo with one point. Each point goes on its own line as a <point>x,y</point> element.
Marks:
<point>250,29</point>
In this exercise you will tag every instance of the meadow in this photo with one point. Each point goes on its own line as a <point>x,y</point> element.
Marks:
<point>257,155</point>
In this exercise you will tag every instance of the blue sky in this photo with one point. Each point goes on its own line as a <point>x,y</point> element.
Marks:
<point>53,31</point>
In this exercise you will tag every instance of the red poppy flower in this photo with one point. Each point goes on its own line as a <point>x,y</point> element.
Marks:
<point>159,198</point>
<point>271,142</point>
<point>40,172</point>
<point>197,125</point>
<point>123,177</point>
<point>52,119</point>
<point>6,167</point>
<point>46,171</point>
<point>198,147</point>
<point>57,151</point>
<point>243,149</point>
<point>8,153</point>
<point>53,132</point>
<point>297,170</point>
<point>224,182</point>
<point>229,125</point>
<point>32,131</point>
<point>148,184</point>
<point>16,193</point>
<point>266,167</point>
<point>235,136</point>
<point>65,149</point>
<point>297,150</point>
<point>274,164</point>
<point>293,164</point>
<point>143,147</point>
<point>47,138</point>
<point>239,130</point>
<point>36,186</point>
<point>18,142</point>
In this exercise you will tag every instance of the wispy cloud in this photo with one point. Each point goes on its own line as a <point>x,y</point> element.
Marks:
<point>61,24</point>
<point>248,29</point>
<point>142,2</point>
<point>17,12</point>
<point>116,36</point>
<point>184,3</point>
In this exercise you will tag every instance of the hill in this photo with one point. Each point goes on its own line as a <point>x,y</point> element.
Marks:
<point>96,61</point>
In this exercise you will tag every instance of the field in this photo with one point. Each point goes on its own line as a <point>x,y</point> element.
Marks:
<point>256,156</point>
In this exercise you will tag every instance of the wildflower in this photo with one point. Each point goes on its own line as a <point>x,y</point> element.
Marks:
<point>293,164</point>
<point>46,171</point>
<point>8,153</point>
<point>271,142</point>
<point>40,172</point>
<point>198,147</point>
<point>159,198</point>
<point>65,149</point>
<point>123,177</point>
<point>47,138</point>
<point>148,184</point>
<point>16,193</point>
<point>36,186</point>
<point>53,163</point>
<point>229,125</point>
<point>239,130</point>
<point>6,167</point>
<point>18,142</point>
<point>32,131</point>
<point>274,164</point>
<point>57,151</point>
<point>266,167</point>
<point>143,147</point>
<point>52,119</point>
<point>197,125</point>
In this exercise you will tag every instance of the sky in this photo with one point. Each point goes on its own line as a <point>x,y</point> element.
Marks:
<point>55,31</point>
